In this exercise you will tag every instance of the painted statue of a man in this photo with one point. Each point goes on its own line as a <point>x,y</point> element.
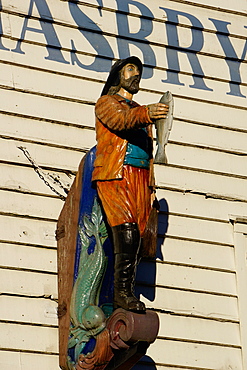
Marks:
<point>123,171</point>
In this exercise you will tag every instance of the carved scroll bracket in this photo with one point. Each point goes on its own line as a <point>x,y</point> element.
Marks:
<point>127,327</point>
<point>124,331</point>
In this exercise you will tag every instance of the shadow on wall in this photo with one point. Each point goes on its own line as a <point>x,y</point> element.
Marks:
<point>146,276</point>
<point>146,271</point>
<point>146,363</point>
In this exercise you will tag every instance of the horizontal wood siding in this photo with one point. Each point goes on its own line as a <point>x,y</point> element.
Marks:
<point>47,112</point>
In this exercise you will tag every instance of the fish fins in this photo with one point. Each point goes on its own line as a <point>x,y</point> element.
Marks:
<point>163,128</point>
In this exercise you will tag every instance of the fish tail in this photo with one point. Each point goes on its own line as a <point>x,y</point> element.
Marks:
<point>160,156</point>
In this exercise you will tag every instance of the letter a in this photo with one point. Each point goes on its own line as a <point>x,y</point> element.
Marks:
<point>54,46</point>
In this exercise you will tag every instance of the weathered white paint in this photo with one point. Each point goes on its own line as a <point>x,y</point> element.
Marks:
<point>193,354</point>
<point>201,111</point>
<point>46,133</point>
<point>67,87</point>
<point>191,303</point>
<point>203,330</point>
<point>106,19</point>
<point>190,279</point>
<point>209,137</point>
<point>55,157</point>
<point>207,160</point>
<point>34,338</point>
<point>28,231</point>
<point>48,107</point>
<point>206,183</point>
<point>177,154</point>
<point>36,60</point>
<point>240,239</point>
<point>228,5</point>
<point>25,179</point>
<point>33,311</point>
<point>42,232</point>
<point>199,205</point>
<point>28,283</point>
<point>71,112</point>
<point>28,361</point>
<point>197,254</point>
<point>43,107</point>
<point>216,6</point>
<point>204,230</point>
<point>26,257</point>
<point>29,205</point>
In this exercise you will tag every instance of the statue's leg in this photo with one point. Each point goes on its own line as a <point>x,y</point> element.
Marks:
<point>126,241</point>
<point>127,205</point>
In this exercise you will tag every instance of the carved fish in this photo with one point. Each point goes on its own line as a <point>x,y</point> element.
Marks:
<point>87,318</point>
<point>163,127</point>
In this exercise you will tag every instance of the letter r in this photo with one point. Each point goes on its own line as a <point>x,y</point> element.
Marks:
<point>174,48</point>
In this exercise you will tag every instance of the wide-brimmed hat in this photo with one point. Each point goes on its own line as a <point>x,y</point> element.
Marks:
<point>113,78</point>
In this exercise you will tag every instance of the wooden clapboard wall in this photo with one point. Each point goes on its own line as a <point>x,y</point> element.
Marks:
<point>47,109</point>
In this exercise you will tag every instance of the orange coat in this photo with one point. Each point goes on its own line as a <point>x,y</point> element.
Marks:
<point>113,117</point>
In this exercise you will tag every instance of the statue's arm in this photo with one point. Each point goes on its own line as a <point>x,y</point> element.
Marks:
<point>117,116</point>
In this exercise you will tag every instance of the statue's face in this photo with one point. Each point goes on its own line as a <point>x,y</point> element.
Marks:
<point>130,70</point>
<point>130,78</point>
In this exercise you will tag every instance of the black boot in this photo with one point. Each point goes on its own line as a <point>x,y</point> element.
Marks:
<point>126,240</point>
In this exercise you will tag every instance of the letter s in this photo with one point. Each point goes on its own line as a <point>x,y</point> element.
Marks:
<point>95,38</point>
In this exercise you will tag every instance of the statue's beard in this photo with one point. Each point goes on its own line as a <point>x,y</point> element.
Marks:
<point>131,84</point>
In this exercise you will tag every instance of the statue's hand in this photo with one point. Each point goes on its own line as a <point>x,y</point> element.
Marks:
<point>157,111</point>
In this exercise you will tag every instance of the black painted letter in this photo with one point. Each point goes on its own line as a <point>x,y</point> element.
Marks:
<point>232,61</point>
<point>93,34</point>
<point>173,49</point>
<point>126,38</point>
<point>1,31</point>
<point>53,44</point>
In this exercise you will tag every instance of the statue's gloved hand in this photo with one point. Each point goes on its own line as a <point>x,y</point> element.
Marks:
<point>157,110</point>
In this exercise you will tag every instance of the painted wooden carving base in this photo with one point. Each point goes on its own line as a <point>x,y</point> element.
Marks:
<point>123,342</point>
<point>100,356</point>
<point>126,336</point>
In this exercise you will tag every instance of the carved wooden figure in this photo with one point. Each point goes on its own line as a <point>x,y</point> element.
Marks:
<point>109,221</point>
